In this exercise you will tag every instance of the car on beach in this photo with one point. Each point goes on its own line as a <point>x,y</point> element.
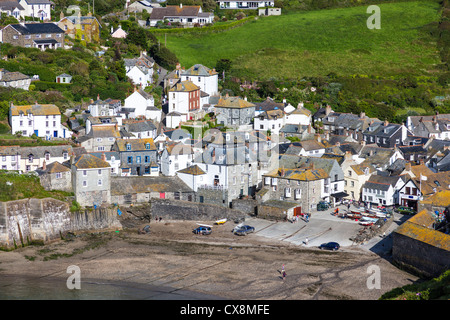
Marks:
<point>202,230</point>
<point>330,246</point>
<point>243,230</point>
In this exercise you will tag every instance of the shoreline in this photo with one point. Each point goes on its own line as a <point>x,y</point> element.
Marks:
<point>174,262</point>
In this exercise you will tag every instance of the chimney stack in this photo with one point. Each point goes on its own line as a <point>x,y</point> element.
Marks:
<point>408,166</point>
<point>44,166</point>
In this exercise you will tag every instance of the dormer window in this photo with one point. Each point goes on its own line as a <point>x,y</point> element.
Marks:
<point>128,146</point>
<point>147,146</point>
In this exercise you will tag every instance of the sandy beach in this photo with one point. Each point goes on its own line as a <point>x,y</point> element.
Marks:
<point>220,265</point>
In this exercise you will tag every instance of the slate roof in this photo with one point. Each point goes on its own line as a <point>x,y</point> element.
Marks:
<point>54,151</point>
<point>55,167</point>
<point>272,114</point>
<point>36,110</point>
<point>14,76</point>
<point>174,11</point>
<point>194,170</point>
<point>268,104</point>
<point>10,5</point>
<point>35,28</point>
<point>9,150</point>
<point>419,228</point>
<point>199,70</point>
<point>135,144</point>
<point>298,174</point>
<point>179,149</point>
<point>184,86</point>
<point>89,161</point>
<point>233,102</point>
<point>146,184</point>
<point>140,126</point>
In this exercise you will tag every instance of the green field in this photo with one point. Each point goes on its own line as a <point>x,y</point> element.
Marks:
<point>315,43</point>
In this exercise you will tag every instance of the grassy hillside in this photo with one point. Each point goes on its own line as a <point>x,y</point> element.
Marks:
<point>15,186</point>
<point>315,43</point>
<point>434,289</point>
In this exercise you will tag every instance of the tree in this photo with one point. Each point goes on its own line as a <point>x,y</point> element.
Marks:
<point>223,65</point>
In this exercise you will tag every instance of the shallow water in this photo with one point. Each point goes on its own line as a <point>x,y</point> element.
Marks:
<point>45,288</point>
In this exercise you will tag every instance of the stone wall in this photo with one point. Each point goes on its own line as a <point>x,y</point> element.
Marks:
<point>28,220</point>
<point>247,206</point>
<point>184,210</point>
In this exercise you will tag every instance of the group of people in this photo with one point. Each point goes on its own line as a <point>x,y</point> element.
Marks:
<point>306,217</point>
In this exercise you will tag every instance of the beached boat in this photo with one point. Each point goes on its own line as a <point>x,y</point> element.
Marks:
<point>221,221</point>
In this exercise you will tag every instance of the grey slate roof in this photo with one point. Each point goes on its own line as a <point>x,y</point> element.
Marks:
<point>34,28</point>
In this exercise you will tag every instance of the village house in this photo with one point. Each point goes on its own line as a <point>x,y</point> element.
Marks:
<point>192,176</point>
<point>140,70</point>
<point>356,175</point>
<point>10,157</point>
<point>299,115</point>
<point>415,188</point>
<point>414,153</point>
<point>203,77</point>
<point>312,148</point>
<point>234,112</point>
<point>381,190</point>
<point>231,165</point>
<point>34,35</point>
<point>113,158</point>
<point>140,6</point>
<point>43,120</point>
<point>119,33</point>
<point>270,121</point>
<point>137,103</point>
<point>12,8</point>
<point>334,185</point>
<point>184,98</point>
<point>108,107</point>
<point>253,4</point>
<point>100,138</point>
<point>55,176</point>
<point>385,134</point>
<point>84,28</point>
<point>176,156</point>
<point>64,78</point>
<point>437,126</point>
<point>300,185</point>
<point>140,129</point>
<point>347,124</point>
<point>14,79</point>
<point>40,9</point>
<point>268,105</point>
<point>185,15</point>
<point>92,122</point>
<point>33,158</point>
<point>136,155</point>
<point>91,180</point>
<point>378,157</point>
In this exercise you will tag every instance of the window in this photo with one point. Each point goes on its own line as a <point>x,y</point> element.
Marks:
<point>99,182</point>
<point>84,183</point>
<point>46,123</point>
<point>128,146</point>
<point>30,158</point>
<point>84,172</point>
<point>99,172</point>
<point>138,159</point>
<point>147,146</point>
<point>47,156</point>
<point>58,175</point>
<point>130,160</point>
<point>147,159</point>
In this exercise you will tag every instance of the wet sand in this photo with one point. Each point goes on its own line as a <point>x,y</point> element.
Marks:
<point>171,262</point>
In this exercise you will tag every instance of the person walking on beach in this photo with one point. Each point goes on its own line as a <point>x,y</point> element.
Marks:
<point>283,272</point>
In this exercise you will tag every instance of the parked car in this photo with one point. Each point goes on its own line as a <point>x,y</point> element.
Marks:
<point>323,205</point>
<point>330,246</point>
<point>202,230</point>
<point>242,231</point>
<point>405,210</point>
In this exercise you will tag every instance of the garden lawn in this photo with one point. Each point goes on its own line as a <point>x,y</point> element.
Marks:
<point>316,43</point>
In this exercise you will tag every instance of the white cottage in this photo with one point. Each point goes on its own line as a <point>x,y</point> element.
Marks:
<point>137,103</point>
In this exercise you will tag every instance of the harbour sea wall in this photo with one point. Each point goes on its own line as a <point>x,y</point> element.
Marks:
<point>43,220</point>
